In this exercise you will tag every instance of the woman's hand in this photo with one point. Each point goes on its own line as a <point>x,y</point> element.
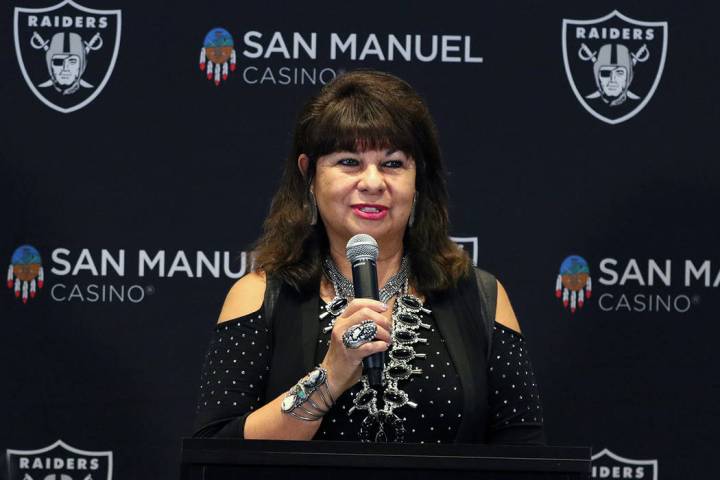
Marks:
<point>344,365</point>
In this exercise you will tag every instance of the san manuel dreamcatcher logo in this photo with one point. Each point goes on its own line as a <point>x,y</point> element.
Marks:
<point>25,275</point>
<point>614,63</point>
<point>217,55</point>
<point>66,52</point>
<point>573,283</point>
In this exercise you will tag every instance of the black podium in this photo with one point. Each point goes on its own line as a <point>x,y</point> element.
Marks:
<point>221,459</point>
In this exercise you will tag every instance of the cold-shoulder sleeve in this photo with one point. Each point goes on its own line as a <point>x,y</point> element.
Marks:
<point>232,381</point>
<point>516,415</point>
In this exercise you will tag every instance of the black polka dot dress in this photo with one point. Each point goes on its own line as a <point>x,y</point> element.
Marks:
<point>238,361</point>
<point>515,411</point>
<point>233,375</point>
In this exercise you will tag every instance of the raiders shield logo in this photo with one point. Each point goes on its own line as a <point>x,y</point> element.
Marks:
<point>66,52</point>
<point>614,63</point>
<point>59,461</point>
<point>606,464</point>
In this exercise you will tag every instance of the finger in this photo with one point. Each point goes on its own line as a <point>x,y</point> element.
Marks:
<point>383,335</point>
<point>385,323</point>
<point>362,315</point>
<point>358,303</point>
<point>372,347</point>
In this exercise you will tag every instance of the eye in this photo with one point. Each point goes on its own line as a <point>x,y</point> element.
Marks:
<point>348,162</point>
<point>393,164</point>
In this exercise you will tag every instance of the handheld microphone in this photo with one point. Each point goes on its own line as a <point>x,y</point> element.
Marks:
<point>362,252</point>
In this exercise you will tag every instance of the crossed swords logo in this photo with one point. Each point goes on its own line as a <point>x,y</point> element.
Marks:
<point>586,55</point>
<point>38,43</point>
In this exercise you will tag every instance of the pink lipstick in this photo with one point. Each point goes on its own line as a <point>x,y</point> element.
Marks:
<point>370,212</point>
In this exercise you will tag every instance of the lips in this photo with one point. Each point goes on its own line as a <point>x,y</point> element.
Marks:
<point>370,211</point>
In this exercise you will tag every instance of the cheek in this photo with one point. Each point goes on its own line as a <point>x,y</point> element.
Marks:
<point>409,189</point>
<point>405,201</point>
<point>329,193</point>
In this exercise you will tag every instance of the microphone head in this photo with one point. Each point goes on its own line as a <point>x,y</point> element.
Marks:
<point>361,247</point>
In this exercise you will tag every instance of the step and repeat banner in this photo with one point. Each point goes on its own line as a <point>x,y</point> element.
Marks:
<point>141,143</point>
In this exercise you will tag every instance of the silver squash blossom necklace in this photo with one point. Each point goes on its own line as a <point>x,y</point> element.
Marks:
<point>383,424</point>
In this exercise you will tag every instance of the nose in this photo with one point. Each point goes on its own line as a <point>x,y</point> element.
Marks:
<point>372,180</point>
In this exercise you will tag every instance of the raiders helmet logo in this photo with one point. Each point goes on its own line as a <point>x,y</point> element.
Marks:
<point>606,464</point>
<point>66,52</point>
<point>59,461</point>
<point>614,63</point>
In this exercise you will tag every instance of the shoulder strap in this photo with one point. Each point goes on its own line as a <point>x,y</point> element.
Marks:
<point>292,317</point>
<point>272,292</point>
<point>487,289</point>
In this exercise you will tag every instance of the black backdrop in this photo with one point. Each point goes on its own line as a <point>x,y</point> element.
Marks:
<point>164,162</point>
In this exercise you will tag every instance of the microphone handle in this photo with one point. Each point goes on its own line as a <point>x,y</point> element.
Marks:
<point>365,284</point>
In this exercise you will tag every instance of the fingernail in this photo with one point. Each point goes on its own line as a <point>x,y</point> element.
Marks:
<point>384,306</point>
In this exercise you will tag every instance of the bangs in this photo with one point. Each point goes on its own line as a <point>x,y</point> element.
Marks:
<point>357,122</point>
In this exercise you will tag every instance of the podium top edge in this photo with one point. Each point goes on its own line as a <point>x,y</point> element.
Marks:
<point>196,449</point>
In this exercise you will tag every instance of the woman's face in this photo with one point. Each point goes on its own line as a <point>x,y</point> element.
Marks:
<point>365,192</point>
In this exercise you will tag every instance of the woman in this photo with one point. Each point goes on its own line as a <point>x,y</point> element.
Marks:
<point>286,358</point>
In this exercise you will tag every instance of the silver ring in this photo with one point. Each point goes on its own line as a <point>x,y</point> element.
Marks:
<point>360,334</point>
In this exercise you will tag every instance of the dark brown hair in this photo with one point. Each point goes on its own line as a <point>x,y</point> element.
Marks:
<point>362,110</point>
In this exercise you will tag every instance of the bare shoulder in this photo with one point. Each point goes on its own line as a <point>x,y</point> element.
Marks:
<point>504,313</point>
<point>245,296</point>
